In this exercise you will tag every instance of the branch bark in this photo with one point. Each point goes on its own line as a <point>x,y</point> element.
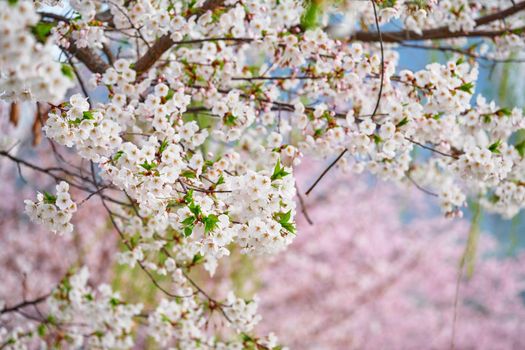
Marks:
<point>164,43</point>
<point>86,55</point>
<point>89,57</point>
<point>444,32</point>
<point>24,304</point>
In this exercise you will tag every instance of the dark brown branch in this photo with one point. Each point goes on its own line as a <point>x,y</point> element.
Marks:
<point>444,32</point>
<point>50,172</point>
<point>164,43</point>
<point>303,206</point>
<point>430,148</point>
<point>468,53</point>
<point>432,34</point>
<point>86,55</point>
<point>419,187</point>
<point>24,304</point>
<point>378,102</point>
<point>326,171</point>
<point>91,59</point>
<point>79,78</point>
<point>517,7</point>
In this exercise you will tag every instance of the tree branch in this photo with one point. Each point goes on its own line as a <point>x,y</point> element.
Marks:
<point>444,32</point>
<point>89,57</point>
<point>24,304</point>
<point>164,43</point>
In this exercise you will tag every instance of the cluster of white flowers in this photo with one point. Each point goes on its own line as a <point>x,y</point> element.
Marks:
<point>53,211</point>
<point>95,319</point>
<point>28,70</point>
<point>242,313</point>
<point>180,321</point>
<point>100,313</point>
<point>93,135</point>
<point>235,115</point>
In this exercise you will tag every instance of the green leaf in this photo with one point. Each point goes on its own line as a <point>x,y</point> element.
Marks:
<point>190,220</point>
<point>67,70</point>
<point>310,15</point>
<point>504,112</point>
<point>220,181</point>
<point>51,319</point>
<point>189,174</point>
<point>437,115</point>
<point>87,115</point>
<point>494,198</point>
<point>118,155</point>
<point>42,330</point>
<point>188,230</point>
<point>49,198</point>
<point>520,147</point>
<point>229,119</point>
<point>163,146</point>
<point>403,121</point>
<point>197,258</point>
<point>188,197</point>
<point>284,217</point>
<point>148,166</point>
<point>114,302</point>
<point>284,220</point>
<point>170,94</point>
<point>210,222</point>
<point>42,30</point>
<point>195,209</point>
<point>467,87</point>
<point>278,171</point>
<point>289,227</point>
<point>494,148</point>
<point>387,3</point>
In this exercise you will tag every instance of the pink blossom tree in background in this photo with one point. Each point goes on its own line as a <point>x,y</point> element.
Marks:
<point>363,278</point>
<point>169,132</point>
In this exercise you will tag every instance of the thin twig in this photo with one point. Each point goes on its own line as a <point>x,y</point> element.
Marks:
<point>303,206</point>
<point>419,187</point>
<point>326,171</point>
<point>24,304</point>
<point>430,148</point>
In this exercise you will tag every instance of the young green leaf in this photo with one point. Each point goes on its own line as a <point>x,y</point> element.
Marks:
<point>278,171</point>
<point>520,147</point>
<point>494,148</point>
<point>67,70</point>
<point>49,198</point>
<point>467,87</point>
<point>210,223</point>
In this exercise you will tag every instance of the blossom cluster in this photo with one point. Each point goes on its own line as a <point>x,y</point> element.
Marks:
<point>93,135</point>
<point>53,211</point>
<point>28,70</point>
<point>99,318</point>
